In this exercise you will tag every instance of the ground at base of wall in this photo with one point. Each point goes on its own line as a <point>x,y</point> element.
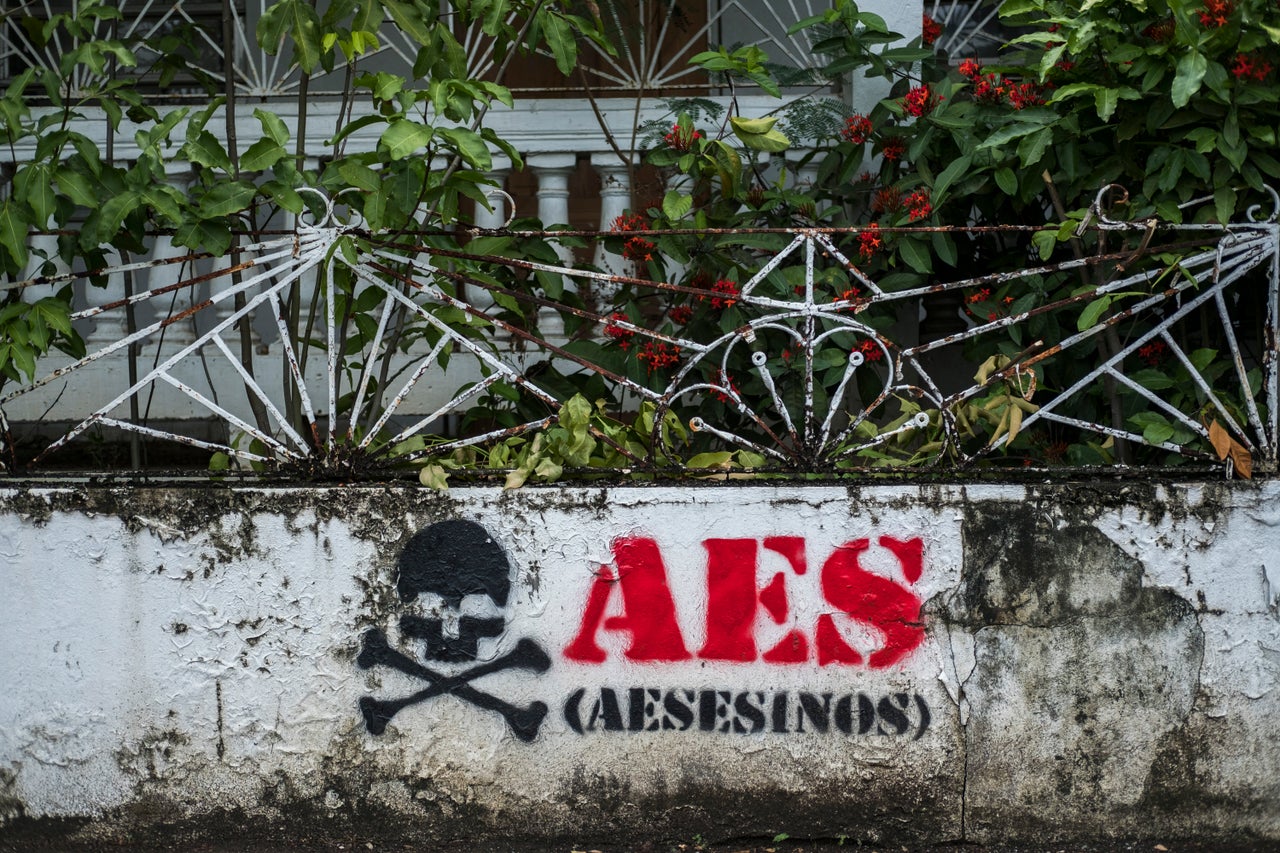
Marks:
<point>694,846</point>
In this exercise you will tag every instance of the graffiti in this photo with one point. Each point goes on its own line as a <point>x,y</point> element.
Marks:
<point>734,599</point>
<point>461,580</point>
<point>454,582</point>
<point>747,712</point>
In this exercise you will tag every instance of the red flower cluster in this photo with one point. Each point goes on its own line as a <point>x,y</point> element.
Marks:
<point>869,240</point>
<point>919,101</point>
<point>1153,353</point>
<point>918,205</point>
<point>1216,13</point>
<point>988,89</point>
<point>894,148</point>
<point>857,129</point>
<point>886,200</point>
<point>1025,95</point>
<point>729,292</point>
<point>1250,67</point>
<point>1160,30</point>
<point>930,30</point>
<point>724,380</point>
<point>619,334</point>
<point>978,296</point>
<point>991,89</point>
<point>871,350</point>
<point>636,248</point>
<point>680,314</point>
<point>681,139</point>
<point>656,355</point>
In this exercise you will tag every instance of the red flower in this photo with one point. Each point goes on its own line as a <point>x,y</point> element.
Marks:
<point>630,222</point>
<point>970,69</point>
<point>989,89</point>
<point>682,139</point>
<point>656,355</point>
<point>978,296</point>
<point>857,129</point>
<point>636,248</point>
<point>1153,353</point>
<point>1161,30</point>
<point>930,30</point>
<point>681,314</point>
<point>917,204</point>
<point>1025,95</point>
<point>618,333</point>
<point>871,350</point>
<point>886,200</point>
<point>730,291</point>
<point>869,240</point>
<point>724,380</point>
<point>894,148</point>
<point>919,101</point>
<point>1216,13</point>
<point>1250,67</point>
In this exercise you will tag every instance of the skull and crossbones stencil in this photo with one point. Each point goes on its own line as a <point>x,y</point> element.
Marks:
<point>455,581</point>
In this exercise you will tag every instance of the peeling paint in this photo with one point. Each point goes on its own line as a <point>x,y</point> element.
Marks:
<point>1081,660</point>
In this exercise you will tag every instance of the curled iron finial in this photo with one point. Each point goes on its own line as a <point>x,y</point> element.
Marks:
<point>1252,213</point>
<point>511,204</point>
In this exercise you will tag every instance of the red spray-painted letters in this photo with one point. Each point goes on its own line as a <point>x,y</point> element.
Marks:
<point>735,599</point>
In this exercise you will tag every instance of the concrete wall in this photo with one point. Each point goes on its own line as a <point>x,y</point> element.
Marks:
<point>905,663</point>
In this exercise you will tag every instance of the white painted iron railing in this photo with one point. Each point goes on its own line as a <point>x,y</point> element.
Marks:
<point>804,381</point>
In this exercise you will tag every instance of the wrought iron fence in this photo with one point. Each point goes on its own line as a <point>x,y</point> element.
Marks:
<point>1163,344</point>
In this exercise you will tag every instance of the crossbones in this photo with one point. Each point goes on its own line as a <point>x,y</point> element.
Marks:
<point>443,567</point>
<point>527,654</point>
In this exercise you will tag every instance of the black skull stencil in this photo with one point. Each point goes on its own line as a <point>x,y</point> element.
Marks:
<point>455,573</point>
<point>441,566</point>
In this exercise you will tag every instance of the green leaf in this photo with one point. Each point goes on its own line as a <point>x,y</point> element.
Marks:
<point>1106,101</point>
<point>357,174</point>
<point>272,125</point>
<point>404,137</point>
<point>944,246</point>
<point>212,236</point>
<point>721,459</point>
<point>752,126</point>
<point>948,176</point>
<point>205,149</point>
<point>1191,69</point>
<point>1045,242</point>
<point>263,154</point>
<point>228,198</point>
<point>675,205</point>
<point>915,254</point>
<point>113,212</point>
<point>13,233</point>
<point>1032,147</point>
<point>76,186</point>
<point>1092,313</point>
<point>561,43</point>
<point>35,186</point>
<point>302,23</point>
<point>1007,181</point>
<point>470,145</point>
<point>410,20</point>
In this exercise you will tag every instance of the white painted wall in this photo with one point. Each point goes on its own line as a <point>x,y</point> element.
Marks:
<point>197,647</point>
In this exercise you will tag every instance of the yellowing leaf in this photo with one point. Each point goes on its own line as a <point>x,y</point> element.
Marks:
<point>1226,446</point>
